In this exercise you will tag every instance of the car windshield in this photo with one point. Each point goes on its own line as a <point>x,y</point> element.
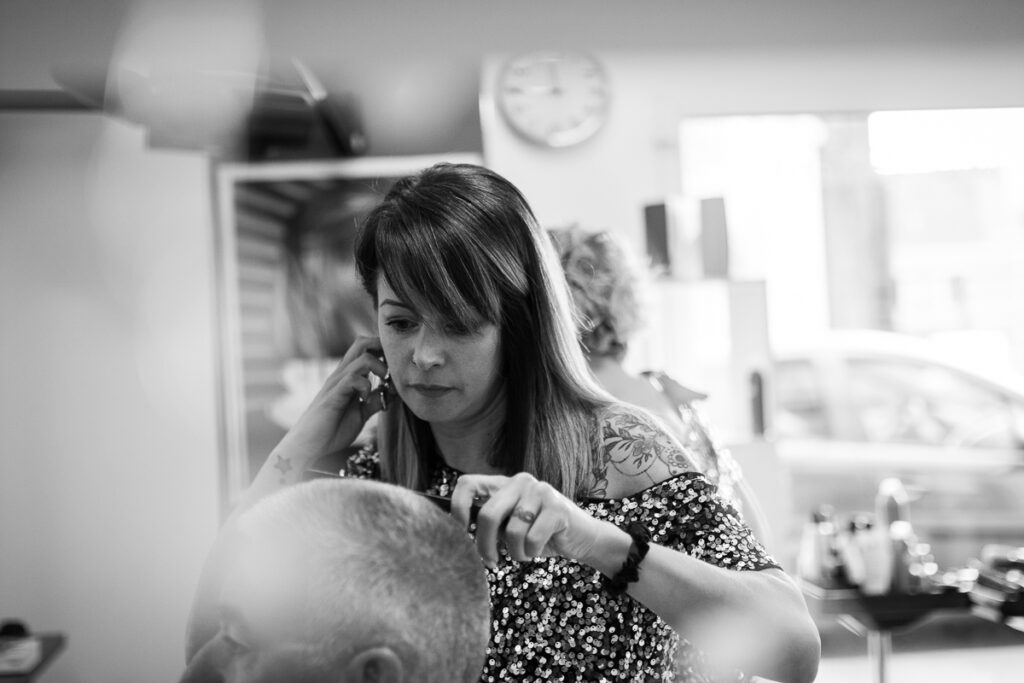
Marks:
<point>800,400</point>
<point>900,401</point>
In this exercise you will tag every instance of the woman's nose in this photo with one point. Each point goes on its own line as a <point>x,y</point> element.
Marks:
<point>428,351</point>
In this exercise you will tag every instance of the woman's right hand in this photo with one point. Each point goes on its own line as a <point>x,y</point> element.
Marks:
<point>345,402</point>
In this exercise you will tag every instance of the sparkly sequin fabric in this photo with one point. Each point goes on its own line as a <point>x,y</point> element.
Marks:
<point>698,439</point>
<point>553,621</point>
<point>711,458</point>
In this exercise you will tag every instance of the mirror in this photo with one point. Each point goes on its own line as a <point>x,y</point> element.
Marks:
<point>289,296</point>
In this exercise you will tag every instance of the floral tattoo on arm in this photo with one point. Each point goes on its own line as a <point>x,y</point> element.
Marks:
<point>634,446</point>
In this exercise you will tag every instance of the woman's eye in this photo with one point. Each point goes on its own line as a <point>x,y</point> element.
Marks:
<point>461,330</point>
<point>400,324</point>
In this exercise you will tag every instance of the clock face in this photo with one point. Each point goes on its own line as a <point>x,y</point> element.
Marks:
<point>556,99</point>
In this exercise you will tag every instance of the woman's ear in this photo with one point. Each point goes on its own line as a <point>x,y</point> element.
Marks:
<point>376,665</point>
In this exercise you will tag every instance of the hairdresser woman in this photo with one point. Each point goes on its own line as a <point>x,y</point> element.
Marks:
<point>608,559</point>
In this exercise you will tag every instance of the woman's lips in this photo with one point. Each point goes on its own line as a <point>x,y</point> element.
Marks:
<point>430,390</point>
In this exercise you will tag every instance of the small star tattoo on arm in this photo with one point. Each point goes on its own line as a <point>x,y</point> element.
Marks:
<point>283,465</point>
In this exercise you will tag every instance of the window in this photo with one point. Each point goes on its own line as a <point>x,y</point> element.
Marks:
<point>801,406</point>
<point>915,402</point>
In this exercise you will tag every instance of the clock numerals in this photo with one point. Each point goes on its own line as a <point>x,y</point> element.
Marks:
<point>555,99</point>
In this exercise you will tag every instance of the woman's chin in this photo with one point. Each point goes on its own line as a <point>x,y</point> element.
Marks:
<point>428,411</point>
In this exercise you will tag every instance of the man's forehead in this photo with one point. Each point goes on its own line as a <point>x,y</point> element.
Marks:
<point>267,560</point>
<point>264,583</point>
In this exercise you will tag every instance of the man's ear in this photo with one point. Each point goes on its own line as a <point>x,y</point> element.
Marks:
<point>376,665</point>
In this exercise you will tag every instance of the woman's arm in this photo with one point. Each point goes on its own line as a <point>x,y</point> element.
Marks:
<point>331,422</point>
<point>752,621</point>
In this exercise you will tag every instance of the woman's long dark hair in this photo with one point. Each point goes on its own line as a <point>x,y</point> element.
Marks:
<point>461,241</point>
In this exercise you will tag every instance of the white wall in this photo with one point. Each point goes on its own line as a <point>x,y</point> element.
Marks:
<point>634,161</point>
<point>108,434</point>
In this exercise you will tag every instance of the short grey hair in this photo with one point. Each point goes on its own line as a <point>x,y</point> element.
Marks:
<point>385,567</point>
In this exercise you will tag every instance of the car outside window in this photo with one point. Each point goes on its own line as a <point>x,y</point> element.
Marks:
<point>903,401</point>
<point>800,405</point>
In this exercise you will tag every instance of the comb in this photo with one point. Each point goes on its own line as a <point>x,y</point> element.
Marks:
<point>446,504</point>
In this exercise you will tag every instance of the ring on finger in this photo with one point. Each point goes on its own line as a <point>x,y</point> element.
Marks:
<point>524,515</point>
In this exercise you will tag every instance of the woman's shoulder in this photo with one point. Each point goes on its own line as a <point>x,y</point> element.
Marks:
<point>635,452</point>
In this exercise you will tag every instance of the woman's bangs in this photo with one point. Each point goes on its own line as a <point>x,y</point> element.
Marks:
<point>450,282</point>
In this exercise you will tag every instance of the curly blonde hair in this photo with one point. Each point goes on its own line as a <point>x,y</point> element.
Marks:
<point>607,285</point>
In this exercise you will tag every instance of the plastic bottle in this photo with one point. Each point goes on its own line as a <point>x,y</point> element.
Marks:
<point>818,561</point>
<point>904,541</point>
<point>892,504</point>
<point>850,553</point>
<point>875,547</point>
<point>885,552</point>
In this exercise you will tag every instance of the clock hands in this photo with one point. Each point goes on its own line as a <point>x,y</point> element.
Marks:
<point>546,81</point>
<point>556,99</point>
<point>556,87</point>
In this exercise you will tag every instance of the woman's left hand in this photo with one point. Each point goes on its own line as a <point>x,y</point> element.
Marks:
<point>530,516</point>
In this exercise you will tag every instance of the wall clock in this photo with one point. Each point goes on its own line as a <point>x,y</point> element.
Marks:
<point>553,98</point>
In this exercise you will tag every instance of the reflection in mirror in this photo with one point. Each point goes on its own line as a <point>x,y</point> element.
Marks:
<point>291,301</point>
<point>300,301</point>
<point>327,308</point>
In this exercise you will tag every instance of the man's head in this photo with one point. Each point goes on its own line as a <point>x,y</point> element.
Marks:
<point>349,581</point>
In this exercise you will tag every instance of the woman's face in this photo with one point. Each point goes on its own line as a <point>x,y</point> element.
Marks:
<point>444,375</point>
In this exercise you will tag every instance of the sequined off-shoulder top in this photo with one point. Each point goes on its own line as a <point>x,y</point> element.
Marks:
<point>552,620</point>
